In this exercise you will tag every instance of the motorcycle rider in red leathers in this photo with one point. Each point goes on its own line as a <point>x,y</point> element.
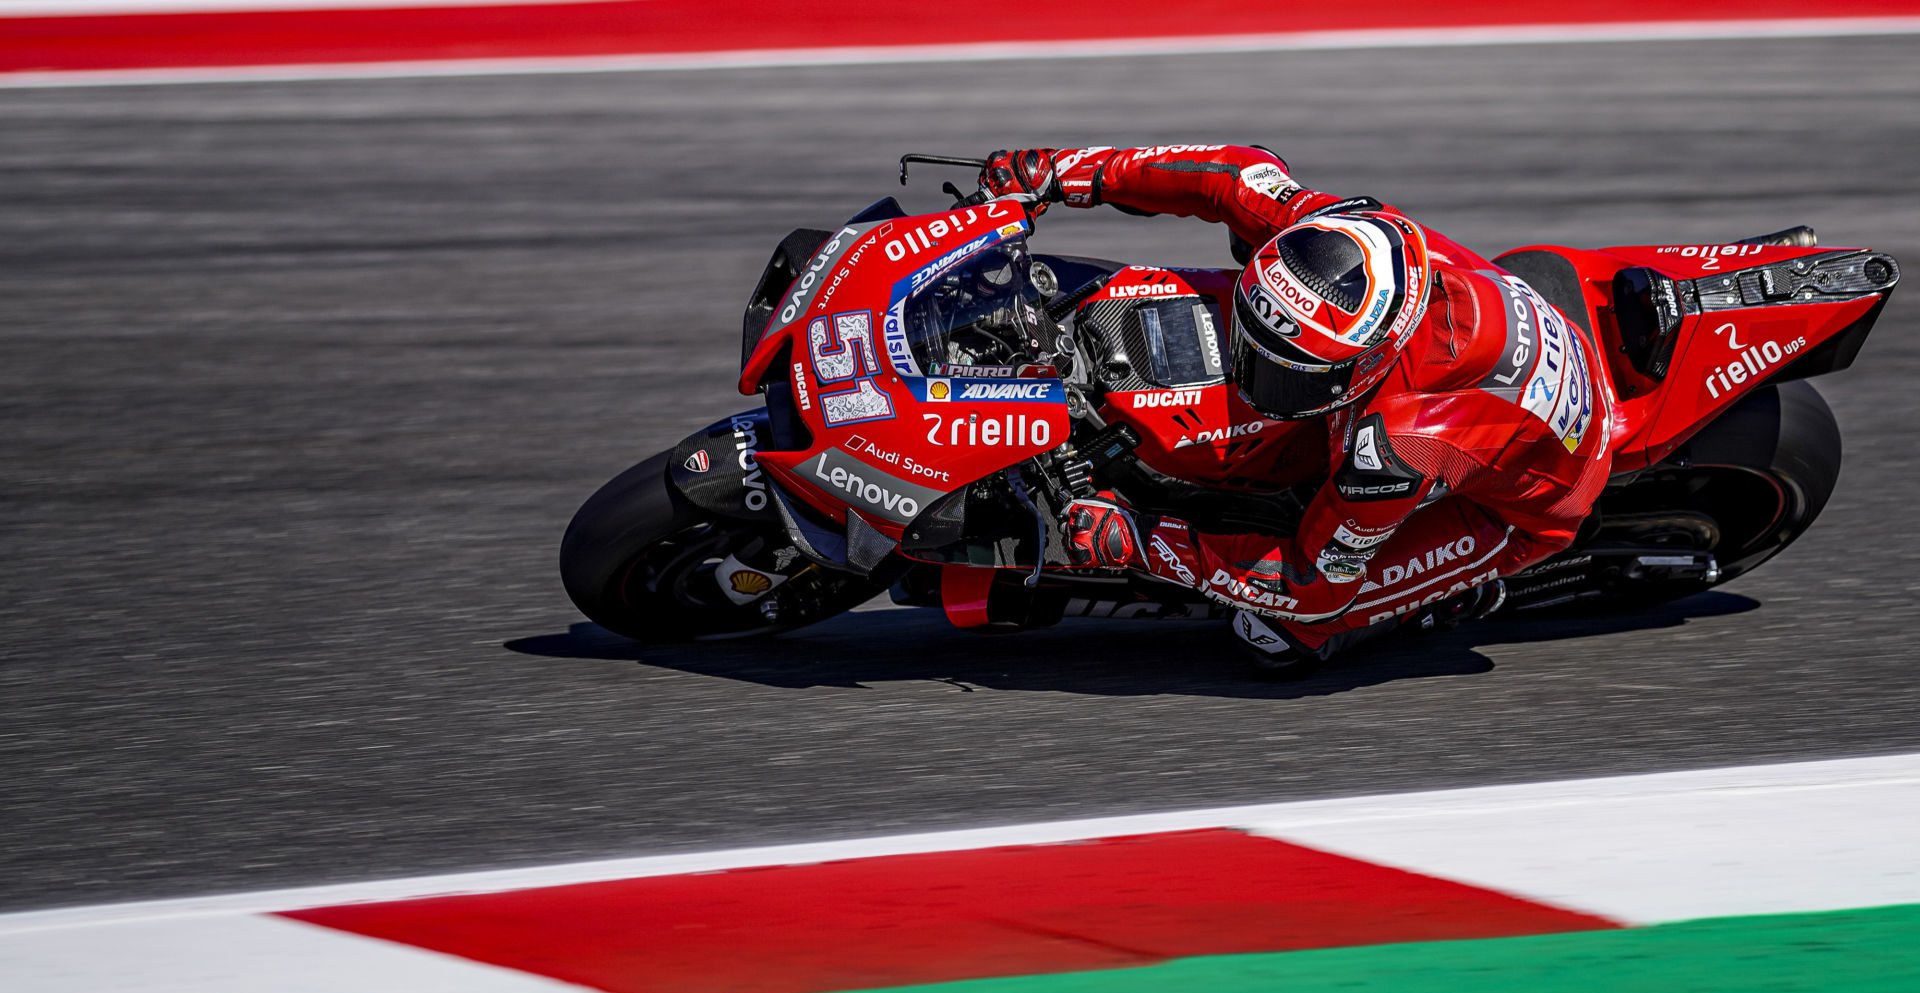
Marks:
<point>1468,421</point>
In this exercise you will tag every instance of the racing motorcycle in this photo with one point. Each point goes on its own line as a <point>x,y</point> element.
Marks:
<point>933,393</point>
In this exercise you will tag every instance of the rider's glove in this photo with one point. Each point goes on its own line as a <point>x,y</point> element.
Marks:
<point>1101,532</point>
<point>1024,171</point>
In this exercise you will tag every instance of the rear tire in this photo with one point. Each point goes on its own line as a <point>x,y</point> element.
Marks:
<point>1743,489</point>
<point>638,559</point>
<point>1785,434</point>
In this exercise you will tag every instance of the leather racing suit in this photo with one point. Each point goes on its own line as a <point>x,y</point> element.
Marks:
<point>1476,457</point>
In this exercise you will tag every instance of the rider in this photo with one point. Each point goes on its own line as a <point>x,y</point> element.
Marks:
<point>1467,420</point>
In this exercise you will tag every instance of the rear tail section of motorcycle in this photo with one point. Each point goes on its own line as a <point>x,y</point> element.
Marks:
<point>1707,501</point>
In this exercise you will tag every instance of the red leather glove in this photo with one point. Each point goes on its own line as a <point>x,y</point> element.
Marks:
<point>1101,532</point>
<point>1023,171</point>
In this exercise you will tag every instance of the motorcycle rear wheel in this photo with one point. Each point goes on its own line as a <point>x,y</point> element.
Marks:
<point>638,559</point>
<point>1743,489</point>
<point>1787,436</point>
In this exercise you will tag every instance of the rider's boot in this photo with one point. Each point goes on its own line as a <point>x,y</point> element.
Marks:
<point>1278,652</point>
<point>1472,605</point>
<point>1274,655</point>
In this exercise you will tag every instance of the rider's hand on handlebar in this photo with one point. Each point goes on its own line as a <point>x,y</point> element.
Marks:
<point>1101,532</point>
<point>1023,171</point>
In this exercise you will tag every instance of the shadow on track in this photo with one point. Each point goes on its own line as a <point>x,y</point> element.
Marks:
<point>1106,658</point>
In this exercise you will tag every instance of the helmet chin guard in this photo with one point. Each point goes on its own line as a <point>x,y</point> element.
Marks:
<point>1325,308</point>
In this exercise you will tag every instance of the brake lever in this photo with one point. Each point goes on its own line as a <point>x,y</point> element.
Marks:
<point>974,199</point>
<point>1019,487</point>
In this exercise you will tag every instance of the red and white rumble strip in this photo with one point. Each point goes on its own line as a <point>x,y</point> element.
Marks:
<point>119,42</point>
<point>1524,859</point>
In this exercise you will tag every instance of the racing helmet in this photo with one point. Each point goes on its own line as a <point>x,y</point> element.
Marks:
<point>1325,308</point>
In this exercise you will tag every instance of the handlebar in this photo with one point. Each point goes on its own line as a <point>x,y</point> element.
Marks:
<point>945,160</point>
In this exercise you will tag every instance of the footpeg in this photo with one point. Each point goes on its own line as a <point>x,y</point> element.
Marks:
<point>1703,567</point>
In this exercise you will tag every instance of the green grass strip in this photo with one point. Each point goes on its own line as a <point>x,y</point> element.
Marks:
<point>1857,951</point>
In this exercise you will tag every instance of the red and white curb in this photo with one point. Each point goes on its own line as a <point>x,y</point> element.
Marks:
<point>1627,850</point>
<point>121,42</point>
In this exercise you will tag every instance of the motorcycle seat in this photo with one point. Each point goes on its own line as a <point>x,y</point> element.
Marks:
<point>1554,277</point>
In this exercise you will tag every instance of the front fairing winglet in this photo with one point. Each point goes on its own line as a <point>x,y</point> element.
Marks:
<point>717,469</point>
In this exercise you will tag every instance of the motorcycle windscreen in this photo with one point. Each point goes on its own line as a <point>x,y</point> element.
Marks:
<point>983,311</point>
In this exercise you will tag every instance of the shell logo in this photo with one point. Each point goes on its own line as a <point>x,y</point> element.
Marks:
<point>939,389</point>
<point>749,582</point>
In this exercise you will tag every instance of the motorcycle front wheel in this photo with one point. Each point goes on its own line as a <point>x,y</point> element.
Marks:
<point>639,559</point>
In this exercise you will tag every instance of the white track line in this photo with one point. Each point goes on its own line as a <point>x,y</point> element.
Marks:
<point>1494,835</point>
<point>1077,49</point>
<point>243,954</point>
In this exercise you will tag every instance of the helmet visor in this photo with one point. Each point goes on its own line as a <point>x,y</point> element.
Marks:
<point>1285,388</point>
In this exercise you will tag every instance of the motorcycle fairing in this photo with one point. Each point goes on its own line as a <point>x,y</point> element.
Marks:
<point>717,468</point>
<point>1172,387</point>
<point>1157,328</point>
<point>875,437</point>
<point>1749,315</point>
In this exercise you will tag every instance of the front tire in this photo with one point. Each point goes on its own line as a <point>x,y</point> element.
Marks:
<point>638,559</point>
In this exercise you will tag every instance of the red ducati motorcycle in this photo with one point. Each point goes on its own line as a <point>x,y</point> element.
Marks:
<point>934,393</point>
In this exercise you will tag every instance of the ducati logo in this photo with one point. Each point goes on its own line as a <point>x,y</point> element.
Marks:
<point>699,461</point>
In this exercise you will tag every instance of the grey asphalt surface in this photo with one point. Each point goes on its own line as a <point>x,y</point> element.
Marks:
<point>299,384</point>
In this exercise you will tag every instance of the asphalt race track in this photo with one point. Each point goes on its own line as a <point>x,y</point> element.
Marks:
<point>300,382</point>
